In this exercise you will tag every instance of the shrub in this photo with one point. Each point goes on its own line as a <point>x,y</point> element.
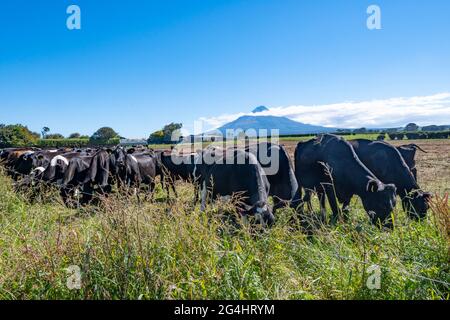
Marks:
<point>16,136</point>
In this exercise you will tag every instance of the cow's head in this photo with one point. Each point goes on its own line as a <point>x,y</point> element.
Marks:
<point>379,201</point>
<point>119,156</point>
<point>416,204</point>
<point>261,211</point>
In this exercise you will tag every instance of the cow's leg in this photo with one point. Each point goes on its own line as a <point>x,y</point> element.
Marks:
<point>87,191</point>
<point>196,191</point>
<point>65,196</point>
<point>204,196</point>
<point>329,190</point>
<point>323,205</point>
<point>346,209</point>
<point>277,204</point>
<point>172,184</point>
<point>297,202</point>
<point>152,190</point>
<point>307,199</point>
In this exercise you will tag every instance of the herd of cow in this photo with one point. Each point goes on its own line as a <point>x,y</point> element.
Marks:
<point>328,165</point>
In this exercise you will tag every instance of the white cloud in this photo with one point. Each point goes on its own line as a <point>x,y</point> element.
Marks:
<point>394,112</point>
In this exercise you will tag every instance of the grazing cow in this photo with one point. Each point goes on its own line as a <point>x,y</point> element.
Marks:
<point>244,176</point>
<point>277,166</point>
<point>179,167</point>
<point>35,160</point>
<point>77,176</point>
<point>55,170</point>
<point>90,172</point>
<point>408,153</point>
<point>386,162</point>
<point>329,165</point>
<point>142,168</point>
<point>11,158</point>
<point>135,168</point>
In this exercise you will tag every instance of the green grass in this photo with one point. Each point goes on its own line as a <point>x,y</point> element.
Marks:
<point>170,250</point>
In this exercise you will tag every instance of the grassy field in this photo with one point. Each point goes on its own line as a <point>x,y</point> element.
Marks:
<point>170,250</point>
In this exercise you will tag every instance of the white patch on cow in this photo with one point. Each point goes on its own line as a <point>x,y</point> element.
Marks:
<point>40,169</point>
<point>59,157</point>
<point>52,151</point>
<point>27,154</point>
<point>261,210</point>
<point>133,158</point>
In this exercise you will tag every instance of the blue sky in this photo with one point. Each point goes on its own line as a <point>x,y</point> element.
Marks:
<point>137,65</point>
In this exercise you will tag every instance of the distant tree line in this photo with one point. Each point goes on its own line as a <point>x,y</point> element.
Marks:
<point>419,135</point>
<point>20,136</point>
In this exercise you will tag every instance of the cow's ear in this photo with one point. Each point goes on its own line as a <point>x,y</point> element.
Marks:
<point>373,186</point>
<point>427,196</point>
<point>131,151</point>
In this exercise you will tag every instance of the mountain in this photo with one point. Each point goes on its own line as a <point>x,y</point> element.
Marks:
<point>285,125</point>
<point>260,109</point>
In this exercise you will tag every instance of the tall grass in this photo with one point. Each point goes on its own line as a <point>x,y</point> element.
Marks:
<point>170,250</point>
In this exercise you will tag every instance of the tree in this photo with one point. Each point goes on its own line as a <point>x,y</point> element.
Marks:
<point>360,130</point>
<point>170,133</point>
<point>74,135</point>
<point>104,133</point>
<point>17,136</point>
<point>411,127</point>
<point>54,136</point>
<point>44,131</point>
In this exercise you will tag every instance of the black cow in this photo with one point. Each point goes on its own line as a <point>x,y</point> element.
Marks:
<point>142,168</point>
<point>386,162</point>
<point>277,166</point>
<point>241,174</point>
<point>89,172</point>
<point>329,165</point>
<point>408,153</point>
<point>179,167</point>
<point>136,168</point>
<point>77,177</point>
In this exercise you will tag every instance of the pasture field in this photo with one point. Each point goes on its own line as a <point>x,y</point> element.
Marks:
<point>168,249</point>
